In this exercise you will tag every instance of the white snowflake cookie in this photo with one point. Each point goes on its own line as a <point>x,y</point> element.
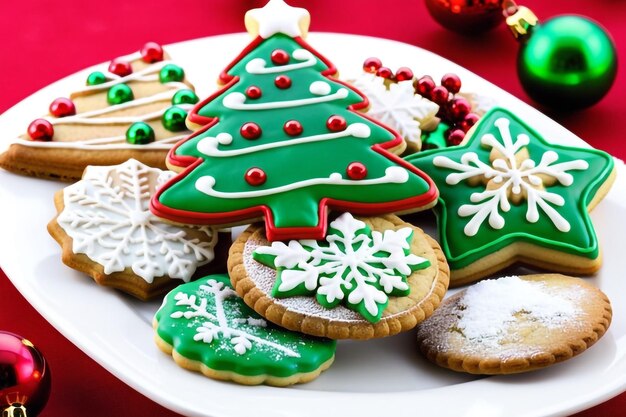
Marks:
<point>399,107</point>
<point>370,277</point>
<point>106,229</point>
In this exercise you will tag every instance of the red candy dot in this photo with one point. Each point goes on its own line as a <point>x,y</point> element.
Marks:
<point>439,95</point>
<point>469,121</point>
<point>404,74</point>
<point>280,57</point>
<point>424,86</point>
<point>384,72</point>
<point>121,68</point>
<point>372,65</point>
<point>62,107</point>
<point>250,131</point>
<point>336,123</point>
<point>459,108</point>
<point>356,171</point>
<point>253,92</point>
<point>293,127</point>
<point>41,130</point>
<point>455,137</point>
<point>151,52</point>
<point>282,82</point>
<point>255,176</point>
<point>452,82</point>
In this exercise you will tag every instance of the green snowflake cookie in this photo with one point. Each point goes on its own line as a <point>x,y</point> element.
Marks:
<point>355,266</point>
<point>211,329</point>
<point>507,188</point>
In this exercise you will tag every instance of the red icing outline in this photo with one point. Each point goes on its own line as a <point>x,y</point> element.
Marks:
<point>317,232</point>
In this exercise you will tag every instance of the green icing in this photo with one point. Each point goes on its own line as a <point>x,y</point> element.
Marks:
<point>352,266</point>
<point>291,163</point>
<point>206,321</point>
<point>568,197</point>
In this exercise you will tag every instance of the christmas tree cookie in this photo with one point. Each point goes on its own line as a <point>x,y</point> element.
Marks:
<point>106,230</point>
<point>508,195</point>
<point>369,277</point>
<point>283,141</point>
<point>135,109</point>
<point>207,328</point>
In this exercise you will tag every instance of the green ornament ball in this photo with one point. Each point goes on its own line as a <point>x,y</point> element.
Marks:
<point>140,133</point>
<point>174,119</point>
<point>567,63</point>
<point>171,72</point>
<point>96,78</point>
<point>119,93</point>
<point>185,97</point>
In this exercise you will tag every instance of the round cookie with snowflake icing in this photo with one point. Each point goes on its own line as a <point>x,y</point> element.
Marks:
<point>106,230</point>
<point>508,195</point>
<point>208,328</point>
<point>369,277</point>
<point>515,324</point>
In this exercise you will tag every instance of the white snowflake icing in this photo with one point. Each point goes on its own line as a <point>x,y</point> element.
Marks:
<point>398,106</point>
<point>349,259</point>
<point>219,324</point>
<point>511,177</point>
<point>108,218</point>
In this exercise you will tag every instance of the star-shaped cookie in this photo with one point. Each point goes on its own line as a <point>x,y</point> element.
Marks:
<point>507,195</point>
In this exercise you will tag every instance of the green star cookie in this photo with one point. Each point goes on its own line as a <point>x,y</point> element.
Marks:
<point>207,327</point>
<point>507,196</point>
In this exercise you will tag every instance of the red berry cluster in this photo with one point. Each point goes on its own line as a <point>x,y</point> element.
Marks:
<point>454,111</point>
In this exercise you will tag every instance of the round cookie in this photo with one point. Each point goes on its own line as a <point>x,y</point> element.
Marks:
<point>515,324</point>
<point>106,230</point>
<point>207,328</point>
<point>371,277</point>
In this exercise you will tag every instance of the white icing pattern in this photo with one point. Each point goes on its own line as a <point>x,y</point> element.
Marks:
<point>259,65</point>
<point>278,17</point>
<point>337,266</point>
<point>108,218</point>
<point>237,101</point>
<point>512,175</point>
<point>219,323</point>
<point>98,117</point>
<point>392,175</point>
<point>397,105</point>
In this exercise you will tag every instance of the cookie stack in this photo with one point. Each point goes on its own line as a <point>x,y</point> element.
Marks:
<point>327,252</point>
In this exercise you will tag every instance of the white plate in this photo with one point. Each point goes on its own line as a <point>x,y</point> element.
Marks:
<point>382,377</point>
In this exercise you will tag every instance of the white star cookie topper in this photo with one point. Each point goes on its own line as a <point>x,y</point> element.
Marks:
<point>278,17</point>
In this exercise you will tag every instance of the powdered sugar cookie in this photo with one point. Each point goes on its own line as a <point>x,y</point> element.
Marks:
<point>207,328</point>
<point>370,277</point>
<point>107,231</point>
<point>135,109</point>
<point>507,195</point>
<point>515,324</point>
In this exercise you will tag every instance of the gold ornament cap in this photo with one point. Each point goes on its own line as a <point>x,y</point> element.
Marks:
<point>521,21</point>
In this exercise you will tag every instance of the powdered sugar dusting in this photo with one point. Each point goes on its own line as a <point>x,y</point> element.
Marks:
<point>489,306</point>
<point>264,278</point>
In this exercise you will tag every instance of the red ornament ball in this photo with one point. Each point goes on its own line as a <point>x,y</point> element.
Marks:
<point>356,171</point>
<point>250,131</point>
<point>468,121</point>
<point>458,108</point>
<point>404,74</point>
<point>151,52</point>
<point>62,107</point>
<point>452,82</point>
<point>24,376</point>
<point>282,81</point>
<point>280,57</point>
<point>253,92</point>
<point>455,137</point>
<point>466,16</point>
<point>121,68</point>
<point>336,123</point>
<point>293,127</point>
<point>440,95</point>
<point>384,72</point>
<point>41,130</point>
<point>372,65</point>
<point>425,85</point>
<point>255,176</point>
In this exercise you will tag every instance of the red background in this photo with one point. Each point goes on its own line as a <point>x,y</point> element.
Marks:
<point>44,40</point>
